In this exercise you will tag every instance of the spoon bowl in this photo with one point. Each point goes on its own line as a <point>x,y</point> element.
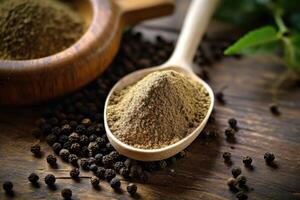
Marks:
<point>165,152</point>
<point>181,60</point>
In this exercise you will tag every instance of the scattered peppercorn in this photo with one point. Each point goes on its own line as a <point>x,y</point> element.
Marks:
<point>241,196</point>
<point>269,157</point>
<point>162,164</point>
<point>247,160</point>
<point>33,178</point>
<point>74,137</point>
<point>74,173</point>
<point>107,160</point>
<point>135,171</point>
<point>115,183</point>
<point>181,154</point>
<point>232,123</point>
<point>229,133</point>
<point>93,167</point>
<point>84,163</point>
<point>100,173</point>
<point>73,159</point>
<point>7,187</point>
<point>227,156</point>
<point>131,188</point>
<point>56,147</point>
<point>95,181</point>
<point>118,166</point>
<point>241,180</point>
<point>51,139</point>
<point>75,148</point>
<point>98,158</point>
<point>231,182</point>
<point>109,174</point>
<point>36,150</point>
<point>50,179</point>
<point>124,171</point>
<point>220,98</point>
<point>236,171</point>
<point>115,155</point>
<point>66,193</point>
<point>51,160</point>
<point>274,109</point>
<point>64,154</point>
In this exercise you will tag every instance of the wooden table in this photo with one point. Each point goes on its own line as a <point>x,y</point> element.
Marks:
<point>202,174</point>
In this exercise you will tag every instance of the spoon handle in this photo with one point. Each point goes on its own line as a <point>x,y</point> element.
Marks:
<point>194,26</point>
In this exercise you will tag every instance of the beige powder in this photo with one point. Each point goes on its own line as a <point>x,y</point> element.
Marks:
<point>159,110</point>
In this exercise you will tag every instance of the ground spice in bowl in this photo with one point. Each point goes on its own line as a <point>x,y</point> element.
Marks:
<point>32,29</point>
<point>157,111</point>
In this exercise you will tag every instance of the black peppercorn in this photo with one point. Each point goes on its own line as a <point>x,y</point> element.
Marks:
<point>84,163</point>
<point>241,180</point>
<point>231,182</point>
<point>162,164</point>
<point>51,139</point>
<point>274,109</point>
<point>64,154</point>
<point>128,162</point>
<point>232,123</point>
<point>74,173</point>
<point>73,159</point>
<point>74,137</point>
<point>115,183</point>
<point>93,168</point>
<point>109,174</point>
<point>56,130</point>
<point>115,155</point>
<point>63,139</point>
<point>80,129</point>
<point>100,141</point>
<point>100,173</point>
<point>7,187</point>
<point>93,147</point>
<point>229,132</point>
<point>220,97</point>
<point>227,156</point>
<point>124,171</point>
<point>131,188</point>
<point>135,171</point>
<point>269,157</point>
<point>67,145</point>
<point>109,147</point>
<point>84,151</point>
<point>75,148</point>
<point>236,171</point>
<point>86,122</point>
<point>241,196</point>
<point>98,158</point>
<point>33,178</point>
<point>247,160</point>
<point>66,129</point>
<point>50,179</point>
<point>84,140</point>
<point>181,154</point>
<point>56,147</point>
<point>66,193</point>
<point>36,150</point>
<point>107,160</point>
<point>118,166</point>
<point>95,181</point>
<point>92,137</point>
<point>51,160</point>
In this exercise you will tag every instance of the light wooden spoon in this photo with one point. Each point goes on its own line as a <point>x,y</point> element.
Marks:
<point>194,27</point>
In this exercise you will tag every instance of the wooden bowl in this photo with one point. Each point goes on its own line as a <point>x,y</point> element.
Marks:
<point>26,82</point>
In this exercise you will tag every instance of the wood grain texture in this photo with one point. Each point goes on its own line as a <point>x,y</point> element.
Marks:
<point>31,81</point>
<point>202,174</point>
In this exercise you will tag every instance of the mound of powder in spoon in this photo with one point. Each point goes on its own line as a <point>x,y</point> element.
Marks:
<point>159,110</point>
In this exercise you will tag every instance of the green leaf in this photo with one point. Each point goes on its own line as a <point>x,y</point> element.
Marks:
<point>292,51</point>
<point>263,40</point>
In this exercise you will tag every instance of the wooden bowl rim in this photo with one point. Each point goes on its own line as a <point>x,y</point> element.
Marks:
<point>66,56</point>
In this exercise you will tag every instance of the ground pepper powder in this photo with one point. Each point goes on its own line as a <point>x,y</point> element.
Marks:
<point>33,28</point>
<point>158,110</point>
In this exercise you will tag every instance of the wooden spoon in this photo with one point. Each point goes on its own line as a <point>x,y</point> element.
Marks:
<point>194,26</point>
<point>30,81</point>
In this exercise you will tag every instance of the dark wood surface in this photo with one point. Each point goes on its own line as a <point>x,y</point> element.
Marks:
<point>202,174</point>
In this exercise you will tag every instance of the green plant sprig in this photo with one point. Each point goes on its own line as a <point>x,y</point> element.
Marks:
<point>275,39</point>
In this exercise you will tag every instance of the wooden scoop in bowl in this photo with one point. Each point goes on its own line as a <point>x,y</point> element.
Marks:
<point>25,82</point>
